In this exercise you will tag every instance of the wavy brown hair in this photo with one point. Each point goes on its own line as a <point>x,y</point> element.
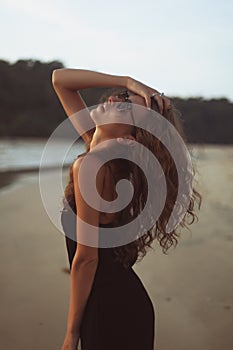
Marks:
<point>126,254</point>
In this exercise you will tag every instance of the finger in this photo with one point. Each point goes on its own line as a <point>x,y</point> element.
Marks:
<point>167,103</point>
<point>159,100</point>
<point>148,101</point>
<point>149,97</point>
<point>154,96</point>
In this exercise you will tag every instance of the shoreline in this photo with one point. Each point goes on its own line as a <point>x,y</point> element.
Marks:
<point>10,177</point>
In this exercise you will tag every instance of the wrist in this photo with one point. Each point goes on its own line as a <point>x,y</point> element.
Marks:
<point>120,81</point>
<point>127,82</point>
<point>74,334</point>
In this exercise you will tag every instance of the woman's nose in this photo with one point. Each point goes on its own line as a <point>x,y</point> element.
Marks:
<point>113,99</point>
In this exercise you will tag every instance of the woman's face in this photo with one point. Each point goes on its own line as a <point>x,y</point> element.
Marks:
<point>115,110</point>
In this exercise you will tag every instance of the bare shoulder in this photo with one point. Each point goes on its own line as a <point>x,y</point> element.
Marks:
<point>91,157</point>
<point>77,163</point>
<point>93,166</point>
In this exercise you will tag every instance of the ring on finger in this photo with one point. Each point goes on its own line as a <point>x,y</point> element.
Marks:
<point>157,93</point>
<point>154,94</point>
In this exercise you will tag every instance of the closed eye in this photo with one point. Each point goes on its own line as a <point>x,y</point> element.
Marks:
<point>123,106</point>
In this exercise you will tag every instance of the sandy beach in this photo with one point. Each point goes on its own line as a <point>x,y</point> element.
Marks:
<point>191,288</point>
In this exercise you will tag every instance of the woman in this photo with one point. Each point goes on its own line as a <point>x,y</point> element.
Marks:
<point>109,306</point>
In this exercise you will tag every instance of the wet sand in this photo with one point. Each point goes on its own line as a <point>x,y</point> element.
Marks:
<point>191,288</point>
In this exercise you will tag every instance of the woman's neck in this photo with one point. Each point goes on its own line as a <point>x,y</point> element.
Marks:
<point>99,136</point>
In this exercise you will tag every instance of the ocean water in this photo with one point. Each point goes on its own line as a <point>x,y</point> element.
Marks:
<point>23,154</point>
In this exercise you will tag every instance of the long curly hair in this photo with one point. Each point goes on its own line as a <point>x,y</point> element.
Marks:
<point>137,249</point>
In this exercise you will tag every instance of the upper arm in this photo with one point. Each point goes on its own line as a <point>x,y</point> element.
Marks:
<point>87,214</point>
<point>75,108</point>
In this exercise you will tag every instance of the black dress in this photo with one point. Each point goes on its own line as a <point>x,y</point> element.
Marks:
<point>119,314</point>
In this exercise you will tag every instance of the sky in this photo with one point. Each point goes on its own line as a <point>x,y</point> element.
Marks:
<point>183,48</point>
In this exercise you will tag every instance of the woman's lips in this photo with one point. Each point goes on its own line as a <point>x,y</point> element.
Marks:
<point>104,107</point>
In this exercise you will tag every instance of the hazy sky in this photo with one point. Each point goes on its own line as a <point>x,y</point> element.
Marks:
<point>182,47</point>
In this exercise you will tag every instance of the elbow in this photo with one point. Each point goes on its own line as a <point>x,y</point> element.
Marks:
<point>56,74</point>
<point>55,77</point>
<point>79,262</point>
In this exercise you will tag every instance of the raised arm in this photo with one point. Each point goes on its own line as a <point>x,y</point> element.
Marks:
<point>67,83</point>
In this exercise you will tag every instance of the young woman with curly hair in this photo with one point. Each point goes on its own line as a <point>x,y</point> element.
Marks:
<point>110,308</point>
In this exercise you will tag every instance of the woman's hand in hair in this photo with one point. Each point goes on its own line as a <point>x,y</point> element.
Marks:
<point>145,91</point>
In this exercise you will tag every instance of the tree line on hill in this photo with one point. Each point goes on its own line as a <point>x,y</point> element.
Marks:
<point>29,106</point>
